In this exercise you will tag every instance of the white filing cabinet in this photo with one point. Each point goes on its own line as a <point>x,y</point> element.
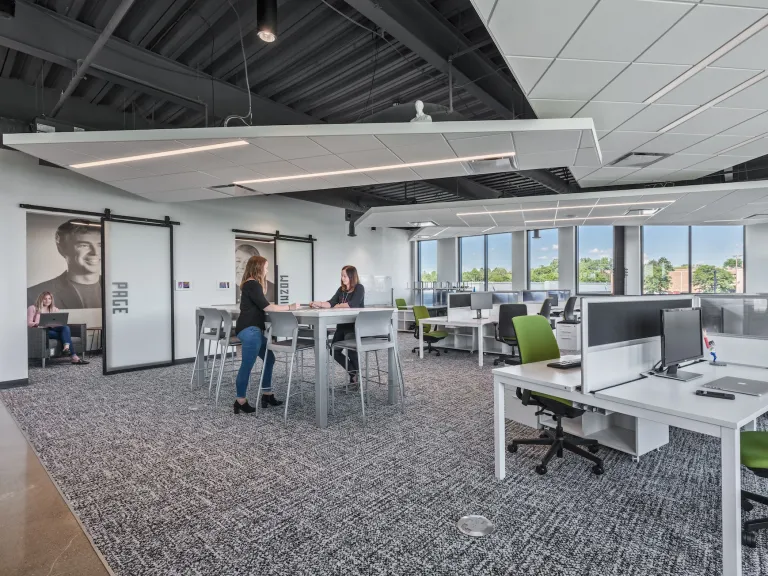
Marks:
<point>568,336</point>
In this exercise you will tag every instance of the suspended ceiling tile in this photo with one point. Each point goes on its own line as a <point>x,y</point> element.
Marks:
<point>350,143</point>
<point>556,108</point>
<point>424,153</point>
<point>715,120</point>
<point>111,173</point>
<point>588,138</point>
<point>752,149</point>
<point>370,158</point>
<point>707,85</point>
<point>623,30</point>
<point>186,195</point>
<point>651,174</point>
<point>580,172</point>
<point>593,183</point>
<point>515,219</point>
<point>444,171</point>
<point>167,182</point>
<point>539,33</point>
<point>483,145</point>
<point>243,155</point>
<point>236,174</point>
<point>621,140</point>
<point>575,79</point>
<point>609,173</point>
<point>528,71</point>
<point>549,141</point>
<point>680,161</point>
<point>204,161</point>
<point>57,155</point>
<point>639,81</point>
<point>328,163</point>
<point>755,97</point>
<point>277,169</point>
<point>750,54</point>
<point>395,175</point>
<point>670,143</point>
<point>290,147</point>
<point>588,157</point>
<point>546,159</point>
<point>720,163</point>
<point>479,220</point>
<point>159,166</point>
<point>397,141</point>
<point>715,144</point>
<point>702,31</point>
<point>752,127</point>
<point>609,115</point>
<point>347,180</point>
<point>484,8</point>
<point>688,174</point>
<point>287,186</point>
<point>655,117</point>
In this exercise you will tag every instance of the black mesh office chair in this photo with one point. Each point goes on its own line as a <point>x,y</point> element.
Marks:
<point>505,331</point>
<point>569,314</point>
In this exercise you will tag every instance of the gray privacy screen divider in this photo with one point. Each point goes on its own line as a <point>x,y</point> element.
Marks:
<point>626,321</point>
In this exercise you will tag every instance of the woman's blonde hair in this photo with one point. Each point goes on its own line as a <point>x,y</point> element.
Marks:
<point>256,269</point>
<point>39,302</point>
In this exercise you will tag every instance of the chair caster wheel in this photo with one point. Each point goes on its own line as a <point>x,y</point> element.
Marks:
<point>512,448</point>
<point>594,449</point>
<point>543,435</point>
<point>598,470</point>
<point>746,506</point>
<point>749,539</point>
<point>437,354</point>
<point>541,469</point>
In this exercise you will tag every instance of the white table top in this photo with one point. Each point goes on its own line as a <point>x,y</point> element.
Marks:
<point>443,321</point>
<point>678,398</point>
<point>307,312</point>
<point>540,373</point>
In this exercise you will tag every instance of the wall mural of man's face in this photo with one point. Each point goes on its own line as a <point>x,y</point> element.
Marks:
<point>241,259</point>
<point>83,253</point>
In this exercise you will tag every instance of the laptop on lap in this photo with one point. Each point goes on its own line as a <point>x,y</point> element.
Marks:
<point>54,319</point>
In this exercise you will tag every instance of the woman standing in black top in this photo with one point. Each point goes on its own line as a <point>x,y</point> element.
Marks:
<point>250,330</point>
<point>351,294</point>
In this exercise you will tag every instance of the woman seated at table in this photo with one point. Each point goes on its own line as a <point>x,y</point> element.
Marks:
<point>351,294</point>
<point>251,332</point>
<point>45,305</point>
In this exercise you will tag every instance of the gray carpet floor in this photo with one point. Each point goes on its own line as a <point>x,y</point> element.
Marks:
<point>167,484</point>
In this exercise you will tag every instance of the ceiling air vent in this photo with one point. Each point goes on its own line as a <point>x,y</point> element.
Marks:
<point>492,166</point>
<point>641,211</point>
<point>638,160</point>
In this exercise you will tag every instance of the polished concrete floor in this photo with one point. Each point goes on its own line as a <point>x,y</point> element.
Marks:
<point>39,535</point>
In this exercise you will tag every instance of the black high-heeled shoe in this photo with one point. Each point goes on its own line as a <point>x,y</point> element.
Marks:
<point>269,400</point>
<point>247,408</point>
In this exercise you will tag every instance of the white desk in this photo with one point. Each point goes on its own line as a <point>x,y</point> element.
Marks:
<point>475,324</point>
<point>321,320</point>
<point>668,402</point>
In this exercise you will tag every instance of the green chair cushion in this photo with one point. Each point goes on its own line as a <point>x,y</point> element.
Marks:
<point>754,450</point>
<point>436,334</point>
<point>537,343</point>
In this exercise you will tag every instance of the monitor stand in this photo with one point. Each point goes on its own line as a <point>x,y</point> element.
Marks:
<point>479,315</point>
<point>675,374</point>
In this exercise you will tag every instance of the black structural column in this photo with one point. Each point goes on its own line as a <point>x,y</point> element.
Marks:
<point>619,264</point>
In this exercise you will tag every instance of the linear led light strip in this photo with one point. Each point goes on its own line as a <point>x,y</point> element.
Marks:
<point>649,202</point>
<point>716,101</point>
<point>716,55</point>
<point>586,218</point>
<point>378,168</point>
<point>161,154</point>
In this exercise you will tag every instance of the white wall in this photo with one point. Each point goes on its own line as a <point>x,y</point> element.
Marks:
<point>203,244</point>
<point>633,259</point>
<point>566,258</point>
<point>448,260</point>
<point>756,258</point>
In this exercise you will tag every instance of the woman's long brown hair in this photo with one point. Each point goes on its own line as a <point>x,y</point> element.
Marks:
<point>255,268</point>
<point>354,279</point>
<point>39,302</point>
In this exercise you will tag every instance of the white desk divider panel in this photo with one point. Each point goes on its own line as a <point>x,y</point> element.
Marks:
<point>620,337</point>
<point>138,298</point>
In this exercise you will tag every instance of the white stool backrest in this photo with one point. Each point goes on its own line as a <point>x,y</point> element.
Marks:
<point>373,323</point>
<point>226,323</point>
<point>283,325</point>
<point>211,320</point>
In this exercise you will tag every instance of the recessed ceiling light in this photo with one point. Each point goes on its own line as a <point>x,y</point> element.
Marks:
<point>377,168</point>
<point>717,54</point>
<point>423,224</point>
<point>716,101</point>
<point>160,154</point>
<point>423,236</point>
<point>613,205</point>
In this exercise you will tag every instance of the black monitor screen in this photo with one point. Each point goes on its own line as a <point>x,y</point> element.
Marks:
<point>460,300</point>
<point>681,337</point>
<point>553,296</point>
<point>481,300</point>
<point>534,296</point>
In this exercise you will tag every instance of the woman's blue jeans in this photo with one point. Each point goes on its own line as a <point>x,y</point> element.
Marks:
<point>254,345</point>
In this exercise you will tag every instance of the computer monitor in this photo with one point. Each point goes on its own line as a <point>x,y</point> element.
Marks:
<point>553,295</point>
<point>534,296</point>
<point>681,341</point>
<point>459,300</point>
<point>481,301</point>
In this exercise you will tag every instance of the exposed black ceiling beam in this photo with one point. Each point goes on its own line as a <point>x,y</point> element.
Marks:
<point>549,180</point>
<point>346,198</point>
<point>427,33</point>
<point>55,38</point>
<point>465,188</point>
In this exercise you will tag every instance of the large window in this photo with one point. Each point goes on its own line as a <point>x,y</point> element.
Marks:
<point>428,261</point>
<point>472,261</point>
<point>665,260</point>
<point>595,255</point>
<point>717,259</point>
<point>500,261</point>
<point>543,253</point>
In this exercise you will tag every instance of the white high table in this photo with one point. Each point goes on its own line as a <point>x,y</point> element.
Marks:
<point>321,320</point>
<point>476,324</point>
<point>660,400</point>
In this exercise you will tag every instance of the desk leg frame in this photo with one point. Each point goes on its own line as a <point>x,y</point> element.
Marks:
<point>421,340</point>
<point>479,331</point>
<point>321,373</point>
<point>731,495</point>
<point>499,431</point>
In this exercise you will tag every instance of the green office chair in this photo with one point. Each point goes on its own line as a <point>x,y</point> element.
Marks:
<point>754,455</point>
<point>400,303</point>
<point>537,343</point>
<point>430,337</point>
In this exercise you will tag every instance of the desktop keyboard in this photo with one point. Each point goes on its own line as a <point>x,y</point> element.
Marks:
<point>564,364</point>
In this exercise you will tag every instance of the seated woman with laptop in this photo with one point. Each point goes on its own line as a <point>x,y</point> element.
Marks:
<point>41,313</point>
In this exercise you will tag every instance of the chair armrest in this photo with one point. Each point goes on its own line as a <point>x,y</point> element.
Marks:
<point>36,342</point>
<point>78,330</point>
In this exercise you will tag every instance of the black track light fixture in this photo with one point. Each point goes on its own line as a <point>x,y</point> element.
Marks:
<point>266,20</point>
<point>536,235</point>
